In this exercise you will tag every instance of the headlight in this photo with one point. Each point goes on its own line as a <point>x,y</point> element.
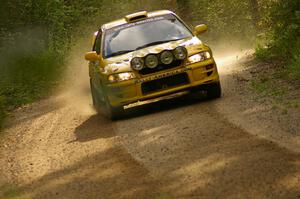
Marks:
<point>207,55</point>
<point>121,77</point>
<point>195,58</point>
<point>137,63</point>
<point>199,57</point>
<point>166,57</point>
<point>180,53</point>
<point>151,61</point>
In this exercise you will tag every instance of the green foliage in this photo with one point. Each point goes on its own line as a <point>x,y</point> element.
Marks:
<point>229,20</point>
<point>11,192</point>
<point>295,63</point>
<point>29,78</point>
<point>281,36</point>
<point>285,27</point>
<point>35,36</point>
<point>262,53</point>
<point>2,109</point>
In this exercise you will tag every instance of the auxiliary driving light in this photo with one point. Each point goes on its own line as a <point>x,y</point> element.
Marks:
<point>151,61</point>
<point>137,63</point>
<point>166,57</point>
<point>180,53</point>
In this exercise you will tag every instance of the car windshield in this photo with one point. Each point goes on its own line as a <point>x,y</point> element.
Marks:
<point>152,31</point>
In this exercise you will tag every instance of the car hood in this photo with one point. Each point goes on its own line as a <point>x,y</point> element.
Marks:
<point>121,63</point>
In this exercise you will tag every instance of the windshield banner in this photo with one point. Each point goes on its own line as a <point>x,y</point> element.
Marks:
<point>147,20</point>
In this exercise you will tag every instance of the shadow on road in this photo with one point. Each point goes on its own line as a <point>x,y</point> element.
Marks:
<point>112,173</point>
<point>164,105</point>
<point>94,127</point>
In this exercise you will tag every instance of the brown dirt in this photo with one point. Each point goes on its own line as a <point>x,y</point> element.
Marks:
<point>182,148</point>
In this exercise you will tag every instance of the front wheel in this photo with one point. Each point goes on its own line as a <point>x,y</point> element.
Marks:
<point>214,90</point>
<point>103,106</point>
<point>94,95</point>
<point>113,113</point>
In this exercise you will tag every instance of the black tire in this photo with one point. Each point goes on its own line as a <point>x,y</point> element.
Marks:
<point>113,113</point>
<point>105,108</point>
<point>214,90</point>
<point>94,95</point>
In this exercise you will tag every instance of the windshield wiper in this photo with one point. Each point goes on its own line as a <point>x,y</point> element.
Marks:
<point>155,43</point>
<point>119,53</point>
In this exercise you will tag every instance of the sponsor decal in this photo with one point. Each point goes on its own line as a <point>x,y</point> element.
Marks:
<point>138,23</point>
<point>163,75</point>
<point>147,20</point>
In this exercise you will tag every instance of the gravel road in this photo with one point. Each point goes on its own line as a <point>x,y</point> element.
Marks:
<point>183,148</point>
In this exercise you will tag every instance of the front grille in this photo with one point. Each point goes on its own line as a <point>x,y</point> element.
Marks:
<point>164,83</point>
<point>160,67</point>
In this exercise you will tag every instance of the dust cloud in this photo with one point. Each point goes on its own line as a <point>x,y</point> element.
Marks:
<point>75,90</point>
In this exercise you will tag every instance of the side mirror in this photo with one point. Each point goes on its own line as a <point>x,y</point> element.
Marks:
<point>92,56</point>
<point>200,29</point>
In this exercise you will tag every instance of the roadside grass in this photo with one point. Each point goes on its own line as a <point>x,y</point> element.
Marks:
<point>2,116</point>
<point>292,60</point>
<point>294,69</point>
<point>2,112</point>
<point>279,75</point>
<point>161,196</point>
<point>11,192</point>
<point>268,87</point>
<point>27,78</point>
<point>274,87</point>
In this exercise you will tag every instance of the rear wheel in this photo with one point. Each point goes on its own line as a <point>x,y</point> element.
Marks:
<point>214,90</point>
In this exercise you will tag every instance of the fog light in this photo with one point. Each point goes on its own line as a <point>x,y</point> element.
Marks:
<point>121,77</point>
<point>209,67</point>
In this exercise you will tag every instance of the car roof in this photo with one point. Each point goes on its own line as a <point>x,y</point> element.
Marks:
<point>123,20</point>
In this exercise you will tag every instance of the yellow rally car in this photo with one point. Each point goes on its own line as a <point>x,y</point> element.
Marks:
<point>146,56</point>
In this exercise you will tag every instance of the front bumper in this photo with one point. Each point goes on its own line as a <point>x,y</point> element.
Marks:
<point>127,92</point>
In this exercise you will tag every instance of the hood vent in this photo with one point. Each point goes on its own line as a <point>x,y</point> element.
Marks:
<point>136,16</point>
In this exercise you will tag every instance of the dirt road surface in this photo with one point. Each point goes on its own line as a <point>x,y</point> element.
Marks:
<point>182,148</point>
